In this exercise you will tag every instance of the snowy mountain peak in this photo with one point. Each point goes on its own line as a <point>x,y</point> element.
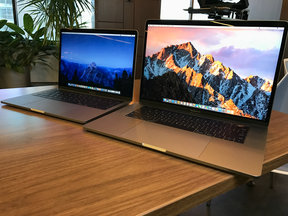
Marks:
<point>267,86</point>
<point>217,67</point>
<point>186,46</point>
<point>209,57</point>
<point>93,65</point>
<point>260,83</point>
<point>170,63</point>
<point>168,50</point>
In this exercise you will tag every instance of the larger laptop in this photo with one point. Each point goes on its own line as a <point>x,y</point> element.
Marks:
<point>206,95</point>
<point>96,75</point>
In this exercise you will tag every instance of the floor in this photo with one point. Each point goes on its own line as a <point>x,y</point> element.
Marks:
<point>260,200</point>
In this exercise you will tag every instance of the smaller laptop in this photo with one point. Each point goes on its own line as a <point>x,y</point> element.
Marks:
<point>207,91</point>
<point>96,76</point>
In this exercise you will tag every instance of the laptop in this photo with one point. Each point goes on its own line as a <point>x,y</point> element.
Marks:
<point>207,90</point>
<point>96,76</point>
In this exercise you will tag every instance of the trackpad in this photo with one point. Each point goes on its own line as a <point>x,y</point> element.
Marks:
<point>175,140</point>
<point>52,106</point>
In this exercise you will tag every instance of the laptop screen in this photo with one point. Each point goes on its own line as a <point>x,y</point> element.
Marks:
<point>218,67</point>
<point>98,60</point>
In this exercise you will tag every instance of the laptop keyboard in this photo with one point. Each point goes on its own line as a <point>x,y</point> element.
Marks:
<point>205,126</point>
<point>80,99</point>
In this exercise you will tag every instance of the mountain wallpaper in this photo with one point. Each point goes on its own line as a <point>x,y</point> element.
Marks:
<point>222,67</point>
<point>102,61</point>
<point>181,72</point>
<point>103,77</point>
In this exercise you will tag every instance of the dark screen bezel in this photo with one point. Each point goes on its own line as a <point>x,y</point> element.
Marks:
<point>108,31</point>
<point>221,23</point>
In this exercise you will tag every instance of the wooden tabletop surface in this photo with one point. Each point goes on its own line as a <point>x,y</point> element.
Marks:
<point>50,166</point>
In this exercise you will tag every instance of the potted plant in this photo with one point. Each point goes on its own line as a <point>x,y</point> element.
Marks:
<point>20,49</point>
<point>56,14</point>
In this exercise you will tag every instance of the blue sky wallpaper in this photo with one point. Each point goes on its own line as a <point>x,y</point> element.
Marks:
<point>105,51</point>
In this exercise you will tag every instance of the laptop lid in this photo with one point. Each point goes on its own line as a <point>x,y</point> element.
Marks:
<point>99,60</point>
<point>221,68</point>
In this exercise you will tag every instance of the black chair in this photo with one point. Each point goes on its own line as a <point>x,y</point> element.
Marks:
<point>216,9</point>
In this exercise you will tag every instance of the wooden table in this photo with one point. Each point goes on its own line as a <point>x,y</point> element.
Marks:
<point>50,166</point>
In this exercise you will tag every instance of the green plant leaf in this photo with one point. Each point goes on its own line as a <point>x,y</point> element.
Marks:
<point>15,43</point>
<point>7,65</point>
<point>28,23</point>
<point>21,56</point>
<point>15,28</point>
<point>56,14</point>
<point>18,69</point>
<point>38,34</point>
<point>2,22</point>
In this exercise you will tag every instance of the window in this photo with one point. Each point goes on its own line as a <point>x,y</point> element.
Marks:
<point>198,16</point>
<point>6,10</point>
<point>89,16</point>
<point>172,9</point>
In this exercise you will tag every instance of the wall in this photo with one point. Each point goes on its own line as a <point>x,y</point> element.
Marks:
<point>43,73</point>
<point>265,9</point>
<point>284,10</point>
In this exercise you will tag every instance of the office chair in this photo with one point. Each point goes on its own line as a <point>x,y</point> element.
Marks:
<point>217,9</point>
<point>281,105</point>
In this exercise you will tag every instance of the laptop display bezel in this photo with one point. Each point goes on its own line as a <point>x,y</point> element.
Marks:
<point>220,23</point>
<point>101,31</point>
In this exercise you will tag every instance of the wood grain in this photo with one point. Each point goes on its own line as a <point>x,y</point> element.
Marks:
<point>50,166</point>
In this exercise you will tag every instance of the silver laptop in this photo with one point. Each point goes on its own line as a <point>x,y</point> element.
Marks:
<point>206,95</point>
<point>96,76</point>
